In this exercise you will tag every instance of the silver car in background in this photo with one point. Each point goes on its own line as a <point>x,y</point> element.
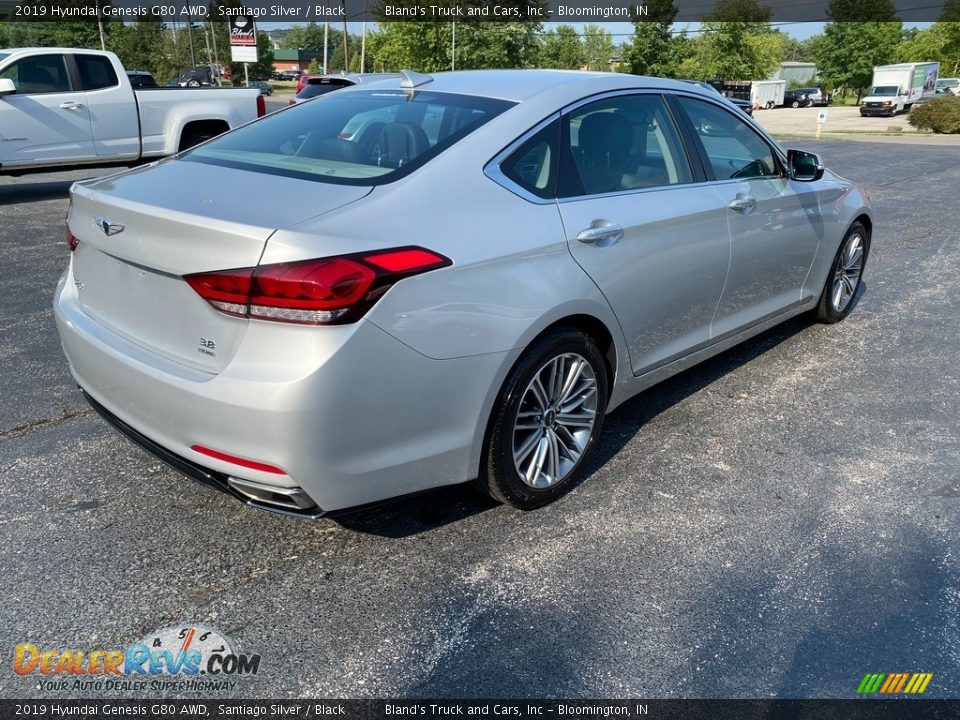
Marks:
<point>479,266</point>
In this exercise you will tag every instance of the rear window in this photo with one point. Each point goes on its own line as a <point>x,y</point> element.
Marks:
<point>352,137</point>
<point>321,87</point>
<point>96,72</point>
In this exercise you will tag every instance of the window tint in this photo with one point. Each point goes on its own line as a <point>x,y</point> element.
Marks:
<point>620,143</point>
<point>39,74</point>
<point>533,165</point>
<point>96,72</point>
<point>321,87</point>
<point>352,137</point>
<point>734,149</point>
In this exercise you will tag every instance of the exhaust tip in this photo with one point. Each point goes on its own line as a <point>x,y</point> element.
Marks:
<point>287,498</point>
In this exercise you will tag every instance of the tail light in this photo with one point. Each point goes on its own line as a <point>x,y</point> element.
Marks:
<point>325,291</point>
<point>72,240</point>
<point>261,106</point>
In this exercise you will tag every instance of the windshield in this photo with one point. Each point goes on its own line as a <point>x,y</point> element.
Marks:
<point>884,90</point>
<point>322,87</point>
<point>352,137</point>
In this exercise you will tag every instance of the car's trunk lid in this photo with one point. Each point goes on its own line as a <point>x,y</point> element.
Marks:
<point>139,233</point>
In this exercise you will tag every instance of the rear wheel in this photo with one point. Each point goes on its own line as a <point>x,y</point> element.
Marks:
<point>795,104</point>
<point>545,422</point>
<point>842,284</point>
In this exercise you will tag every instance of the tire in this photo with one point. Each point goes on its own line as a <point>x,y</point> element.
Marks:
<point>542,432</point>
<point>843,281</point>
<point>193,83</point>
<point>795,104</point>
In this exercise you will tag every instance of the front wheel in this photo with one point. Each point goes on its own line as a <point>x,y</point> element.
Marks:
<point>842,284</point>
<point>545,422</point>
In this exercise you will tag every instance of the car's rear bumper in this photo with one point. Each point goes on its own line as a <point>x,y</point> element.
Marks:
<point>348,414</point>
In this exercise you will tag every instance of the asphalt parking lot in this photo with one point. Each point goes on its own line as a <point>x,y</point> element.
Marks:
<point>778,521</point>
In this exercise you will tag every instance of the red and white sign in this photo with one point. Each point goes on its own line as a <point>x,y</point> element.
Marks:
<point>242,31</point>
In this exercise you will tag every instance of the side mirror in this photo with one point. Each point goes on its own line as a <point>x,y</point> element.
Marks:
<point>7,87</point>
<point>804,166</point>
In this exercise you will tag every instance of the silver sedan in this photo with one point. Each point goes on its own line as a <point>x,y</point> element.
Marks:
<point>476,267</point>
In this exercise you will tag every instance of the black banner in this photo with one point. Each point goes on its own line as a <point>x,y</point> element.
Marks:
<point>301,11</point>
<point>859,709</point>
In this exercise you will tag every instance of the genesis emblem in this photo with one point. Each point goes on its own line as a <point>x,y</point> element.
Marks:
<point>108,227</point>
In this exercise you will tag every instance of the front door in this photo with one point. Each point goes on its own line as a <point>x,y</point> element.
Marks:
<point>47,120</point>
<point>654,241</point>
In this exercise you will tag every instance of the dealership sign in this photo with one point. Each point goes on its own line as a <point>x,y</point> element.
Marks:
<point>242,31</point>
<point>243,39</point>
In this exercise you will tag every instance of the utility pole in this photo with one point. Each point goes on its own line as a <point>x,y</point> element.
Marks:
<point>453,48</point>
<point>346,51</point>
<point>103,43</point>
<point>326,38</point>
<point>363,39</point>
<point>193,54</point>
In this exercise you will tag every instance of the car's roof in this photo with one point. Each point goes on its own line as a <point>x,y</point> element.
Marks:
<point>521,85</point>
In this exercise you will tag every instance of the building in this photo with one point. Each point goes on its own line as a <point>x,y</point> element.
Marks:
<point>300,59</point>
<point>795,73</point>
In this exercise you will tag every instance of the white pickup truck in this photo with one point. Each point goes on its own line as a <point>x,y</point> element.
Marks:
<point>63,107</point>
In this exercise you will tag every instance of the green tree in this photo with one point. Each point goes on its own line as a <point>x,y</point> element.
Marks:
<point>430,47</point>
<point>597,47</point>
<point>654,49</point>
<point>143,46</point>
<point>737,42</point>
<point>561,49</point>
<point>848,51</point>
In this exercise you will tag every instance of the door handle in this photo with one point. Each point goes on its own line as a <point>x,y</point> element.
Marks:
<point>71,106</point>
<point>601,234</point>
<point>743,204</point>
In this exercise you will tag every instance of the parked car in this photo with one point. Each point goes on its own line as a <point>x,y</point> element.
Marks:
<point>141,79</point>
<point>64,107</point>
<point>322,84</point>
<point>263,86</point>
<point>745,105</point>
<point>796,99</point>
<point>815,95</point>
<point>195,77</point>
<point>461,292</point>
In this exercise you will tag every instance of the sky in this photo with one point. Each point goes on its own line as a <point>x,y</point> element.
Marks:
<point>622,31</point>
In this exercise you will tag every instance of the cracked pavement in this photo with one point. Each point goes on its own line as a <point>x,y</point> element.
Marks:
<point>775,522</point>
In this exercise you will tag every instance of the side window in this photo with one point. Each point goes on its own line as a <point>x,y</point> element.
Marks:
<point>620,143</point>
<point>734,149</point>
<point>39,74</point>
<point>96,72</point>
<point>533,165</point>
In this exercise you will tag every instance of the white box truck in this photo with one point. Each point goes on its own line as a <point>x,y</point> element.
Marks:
<point>767,94</point>
<point>896,88</point>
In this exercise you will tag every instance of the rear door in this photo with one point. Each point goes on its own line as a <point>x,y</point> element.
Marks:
<point>775,223</point>
<point>47,120</point>
<point>112,107</point>
<point>653,239</point>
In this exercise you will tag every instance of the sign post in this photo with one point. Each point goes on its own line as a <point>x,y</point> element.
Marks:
<point>243,43</point>
<point>821,119</point>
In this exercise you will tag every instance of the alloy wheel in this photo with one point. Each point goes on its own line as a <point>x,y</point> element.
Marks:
<point>846,274</point>
<point>555,419</point>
